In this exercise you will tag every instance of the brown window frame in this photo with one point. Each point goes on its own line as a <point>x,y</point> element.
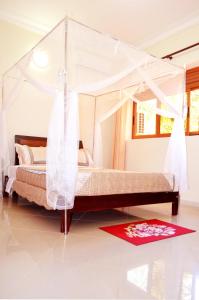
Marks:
<point>192,83</point>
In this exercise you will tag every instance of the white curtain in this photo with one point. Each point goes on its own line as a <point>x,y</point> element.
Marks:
<point>62,152</point>
<point>123,132</point>
<point>7,102</point>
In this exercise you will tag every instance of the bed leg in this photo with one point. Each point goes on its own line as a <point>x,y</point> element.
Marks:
<point>15,197</point>
<point>175,205</point>
<point>69,220</point>
<point>5,194</point>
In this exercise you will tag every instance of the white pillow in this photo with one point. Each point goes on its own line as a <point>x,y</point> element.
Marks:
<point>84,158</point>
<point>23,154</point>
<point>38,155</point>
<point>89,158</point>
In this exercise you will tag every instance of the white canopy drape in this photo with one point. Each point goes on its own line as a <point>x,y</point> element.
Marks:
<point>81,60</point>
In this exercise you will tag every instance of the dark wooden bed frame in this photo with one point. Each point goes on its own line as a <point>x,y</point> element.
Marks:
<point>95,203</point>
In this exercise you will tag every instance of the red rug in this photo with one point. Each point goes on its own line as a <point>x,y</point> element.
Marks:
<point>147,231</point>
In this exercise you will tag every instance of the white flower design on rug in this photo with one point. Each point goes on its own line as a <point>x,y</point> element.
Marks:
<point>146,230</point>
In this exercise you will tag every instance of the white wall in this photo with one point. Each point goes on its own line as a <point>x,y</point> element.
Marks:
<point>176,42</point>
<point>148,154</point>
<point>87,113</point>
<point>28,115</point>
<point>89,108</point>
<point>15,42</point>
<point>192,195</point>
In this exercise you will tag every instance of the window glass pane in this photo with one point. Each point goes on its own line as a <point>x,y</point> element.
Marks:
<point>146,118</point>
<point>194,110</point>
<point>166,124</point>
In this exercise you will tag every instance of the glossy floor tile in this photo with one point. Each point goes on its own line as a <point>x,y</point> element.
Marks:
<point>37,261</point>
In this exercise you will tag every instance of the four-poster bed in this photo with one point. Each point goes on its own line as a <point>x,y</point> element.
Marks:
<point>96,202</point>
<point>79,60</point>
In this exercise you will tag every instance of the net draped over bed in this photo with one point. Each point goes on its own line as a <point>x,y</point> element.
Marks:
<point>78,60</point>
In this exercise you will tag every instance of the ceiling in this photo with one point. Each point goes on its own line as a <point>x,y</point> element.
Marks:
<point>141,22</point>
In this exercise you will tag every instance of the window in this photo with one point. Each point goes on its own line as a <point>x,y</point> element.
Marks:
<point>147,124</point>
<point>146,118</point>
<point>194,111</point>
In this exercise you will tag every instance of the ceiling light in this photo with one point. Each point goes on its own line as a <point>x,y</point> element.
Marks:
<point>40,58</point>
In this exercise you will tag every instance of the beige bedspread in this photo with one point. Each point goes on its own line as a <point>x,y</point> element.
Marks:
<point>30,183</point>
<point>31,193</point>
<point>96,181</point>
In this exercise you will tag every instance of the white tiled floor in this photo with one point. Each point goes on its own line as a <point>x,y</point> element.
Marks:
<point>36,261</point>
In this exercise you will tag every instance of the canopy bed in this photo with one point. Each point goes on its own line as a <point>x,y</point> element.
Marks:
<point>75,59</point>
<point>29,183</point>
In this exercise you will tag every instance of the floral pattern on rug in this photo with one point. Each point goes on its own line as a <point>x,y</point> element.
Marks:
<point>145,230</point>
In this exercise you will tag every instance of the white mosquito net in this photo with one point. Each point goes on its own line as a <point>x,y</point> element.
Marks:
<point>72,60</point>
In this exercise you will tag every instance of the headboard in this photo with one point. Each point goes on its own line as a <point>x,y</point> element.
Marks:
<point>33,141</point>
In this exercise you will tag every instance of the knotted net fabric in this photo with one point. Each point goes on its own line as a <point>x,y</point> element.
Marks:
<point>81,60</point>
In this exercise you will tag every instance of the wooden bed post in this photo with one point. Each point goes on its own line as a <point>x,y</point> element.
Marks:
<point>175,205</point>
<point>15,196</point>
<point>69,220</point>
<point>5,180</point>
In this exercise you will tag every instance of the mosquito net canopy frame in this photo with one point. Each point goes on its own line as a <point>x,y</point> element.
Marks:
<point>74,59</point>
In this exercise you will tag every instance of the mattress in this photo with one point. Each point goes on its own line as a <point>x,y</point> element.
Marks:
<point>30,182</point>
<point>12,171</point>
<point>97,181</point>
<point>31,193</point>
